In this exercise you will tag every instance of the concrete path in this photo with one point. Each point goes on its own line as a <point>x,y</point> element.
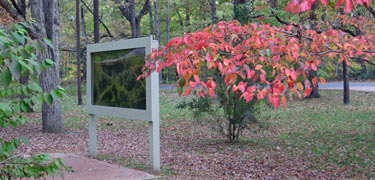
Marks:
<point>91,169</point>
<point>357,86</point>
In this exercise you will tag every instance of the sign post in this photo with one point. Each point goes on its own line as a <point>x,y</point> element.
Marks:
<point>113,88</point>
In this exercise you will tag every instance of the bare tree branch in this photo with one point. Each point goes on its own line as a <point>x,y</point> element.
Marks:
<point>100,20</point>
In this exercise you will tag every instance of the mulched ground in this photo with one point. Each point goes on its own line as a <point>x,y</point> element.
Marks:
<point>189,151</point>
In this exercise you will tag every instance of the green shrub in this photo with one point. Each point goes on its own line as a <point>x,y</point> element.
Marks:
<point>17,59</point>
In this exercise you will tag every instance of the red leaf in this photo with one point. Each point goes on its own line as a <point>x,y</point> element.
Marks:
<point>313,66</point>
<point>187,92</point>
<point>249,97</point>
<point>323,81</point>
<point>242,86</point>
<point>211,84</point>
<point>276,101</point>
<point>258,67</point>
<point>250,74</point>
<point>348,6</point>
<point>209,57</point>
<point>308,92</point>
<point>211,92</point>
<point>305,6</point>
<point>315,81</point>
<point>324,2</point>
<point>262,78</point>
<point>196,78</point>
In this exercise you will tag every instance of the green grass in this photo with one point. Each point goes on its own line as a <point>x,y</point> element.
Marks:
<point>323,132</point>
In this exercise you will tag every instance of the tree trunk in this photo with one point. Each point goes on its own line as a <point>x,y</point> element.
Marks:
<point>187,17</point>
<point>96,22</point>
<point>46,15</point>
<point>274,4</point>
<point>345,74</point>
<point>128,11</point>
<point>138,28</point>
<point>214,17</point>
<point>312,74</point>
<point>78,34</point>
<point>169,35</point>
<point>240,11</point>
<point>157,20</point>
<point>132,18</point>
<point>151,20</point>
<point>21,4</point>
<point>83,24</point>
<point>315,89</point>
<point>179,17</point>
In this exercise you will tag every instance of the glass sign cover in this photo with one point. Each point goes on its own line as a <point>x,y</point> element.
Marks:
<point>115,81</point>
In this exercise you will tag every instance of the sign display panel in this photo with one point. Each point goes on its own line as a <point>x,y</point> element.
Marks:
<point>115,81</point>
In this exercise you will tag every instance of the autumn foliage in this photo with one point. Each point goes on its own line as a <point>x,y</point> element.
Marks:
<point>297,6</point>
<point>251,56</point>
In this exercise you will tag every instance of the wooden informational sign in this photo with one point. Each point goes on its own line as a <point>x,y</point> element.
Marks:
<point>113,88</point>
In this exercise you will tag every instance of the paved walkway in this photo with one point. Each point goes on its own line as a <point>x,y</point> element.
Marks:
<point>357,86</point>
<point>91,169</point>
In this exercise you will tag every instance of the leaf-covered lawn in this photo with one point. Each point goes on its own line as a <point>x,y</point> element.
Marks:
<point>312,139</point>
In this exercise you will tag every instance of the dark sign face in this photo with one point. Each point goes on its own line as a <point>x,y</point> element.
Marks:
<point>115,81</point>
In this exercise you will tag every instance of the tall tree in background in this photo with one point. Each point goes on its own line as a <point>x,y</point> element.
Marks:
<point>157,20</point>
<point>213,10</point>
<point>273,4</point>
<point>151,20</point>
<point>96,21</point>
<point>240,11</point>
<point>78,36</point>
<point>169,35</point>
<point>128,9</point>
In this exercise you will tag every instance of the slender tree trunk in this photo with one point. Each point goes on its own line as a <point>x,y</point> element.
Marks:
<point>214,17</point>
<point>157,20</point>
<point>240,12</point>
<point>169,35</point>
<point>179,17</point>
<point>168,21</point>
<point>345,73</point>
<point>96,21</point>
<point>83,24</point>
<point>78,34</point>
<point>132,18</point>
<point>46,15</point>
<point>25,78</point>
<point>187,17</point>
<point>274,4</point>
<point>151,20</point>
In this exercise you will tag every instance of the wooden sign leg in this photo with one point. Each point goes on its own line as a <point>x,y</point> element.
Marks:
<point>92,135</point>
<point>154,137</point>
